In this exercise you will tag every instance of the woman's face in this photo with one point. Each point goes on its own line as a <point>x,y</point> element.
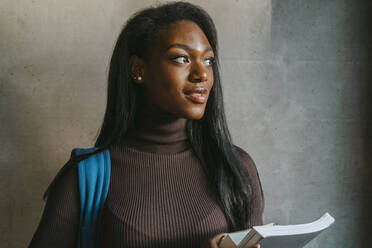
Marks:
<point>180,60</point>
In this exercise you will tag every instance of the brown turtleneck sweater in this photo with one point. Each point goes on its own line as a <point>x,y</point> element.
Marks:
<point>158,195</point>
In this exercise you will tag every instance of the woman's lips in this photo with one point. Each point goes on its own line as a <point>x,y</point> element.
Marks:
<point>197,97</point>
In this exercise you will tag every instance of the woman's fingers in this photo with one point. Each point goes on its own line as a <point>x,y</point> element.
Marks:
<point>213,242</point>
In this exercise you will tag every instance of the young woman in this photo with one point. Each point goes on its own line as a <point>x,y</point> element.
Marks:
<point>177,180</point>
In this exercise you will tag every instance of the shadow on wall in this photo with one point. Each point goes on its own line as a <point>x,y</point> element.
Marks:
<point>333,39</point>
<point>364,23</point>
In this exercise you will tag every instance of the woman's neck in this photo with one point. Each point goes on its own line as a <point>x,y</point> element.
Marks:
<point>158,133</point>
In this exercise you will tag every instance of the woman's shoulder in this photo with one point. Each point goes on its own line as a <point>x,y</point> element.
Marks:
<point>68,172</point>
<point>247,159</point>
<point>253,174</point>
<point>250,167</point>
<point>65,181</point>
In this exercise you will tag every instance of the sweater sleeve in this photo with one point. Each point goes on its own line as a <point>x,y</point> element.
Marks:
<point>258,200</point>
<point>59,223</point>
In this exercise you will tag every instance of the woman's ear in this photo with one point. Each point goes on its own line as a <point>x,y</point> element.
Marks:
<point>137,68</point>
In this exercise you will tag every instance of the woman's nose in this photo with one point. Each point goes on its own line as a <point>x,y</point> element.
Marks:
<point>198,73</point>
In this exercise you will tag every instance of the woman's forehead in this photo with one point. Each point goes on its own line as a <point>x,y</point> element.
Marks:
<point>183,34</point>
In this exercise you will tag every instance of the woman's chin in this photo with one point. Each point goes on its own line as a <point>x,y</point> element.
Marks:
<point>195,113</point>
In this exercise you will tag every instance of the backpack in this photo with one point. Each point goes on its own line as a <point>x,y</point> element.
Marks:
<point>94,180</point>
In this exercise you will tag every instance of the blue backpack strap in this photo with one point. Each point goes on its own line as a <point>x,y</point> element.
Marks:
<point>94,180</point>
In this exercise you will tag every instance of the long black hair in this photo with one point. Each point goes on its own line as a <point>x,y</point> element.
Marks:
<point>209,136</point>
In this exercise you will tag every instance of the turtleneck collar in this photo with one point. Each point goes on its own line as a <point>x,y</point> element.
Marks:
<point>158,133</point>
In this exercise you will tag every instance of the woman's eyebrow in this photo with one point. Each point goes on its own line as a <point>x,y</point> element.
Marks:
<point>186,47</point>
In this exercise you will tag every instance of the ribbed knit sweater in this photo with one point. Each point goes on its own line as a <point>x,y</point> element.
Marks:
<point>158,194</point>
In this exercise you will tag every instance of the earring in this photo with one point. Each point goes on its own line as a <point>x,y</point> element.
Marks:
<point>137,78</point>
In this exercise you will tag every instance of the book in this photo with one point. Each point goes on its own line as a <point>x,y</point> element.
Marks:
<point>277,236</point>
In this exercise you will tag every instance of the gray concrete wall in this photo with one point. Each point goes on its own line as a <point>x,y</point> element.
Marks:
<point>295,78</point>
<point>306,120</point>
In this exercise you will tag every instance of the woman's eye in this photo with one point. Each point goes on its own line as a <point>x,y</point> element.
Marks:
<point>210,60</point>
<point>183,59</point>
<point>180,59</point>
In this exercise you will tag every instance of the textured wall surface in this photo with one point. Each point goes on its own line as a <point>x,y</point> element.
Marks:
<point>295,79</point>
<point>305,121</point>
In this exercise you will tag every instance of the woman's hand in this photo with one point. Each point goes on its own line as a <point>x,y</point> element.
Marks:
<point>213,242</point>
